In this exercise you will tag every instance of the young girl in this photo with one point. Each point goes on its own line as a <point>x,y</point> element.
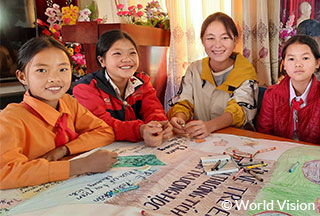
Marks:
<point>291,108</point>
<point>48,124</point>
<point>122,97</point>
<point>219,90</point>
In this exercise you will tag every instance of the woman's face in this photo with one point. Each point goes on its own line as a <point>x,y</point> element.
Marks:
<point>217,43</point>
<point>121,61</point>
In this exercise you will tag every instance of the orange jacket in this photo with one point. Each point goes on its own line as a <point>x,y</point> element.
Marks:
<point>24,137</point>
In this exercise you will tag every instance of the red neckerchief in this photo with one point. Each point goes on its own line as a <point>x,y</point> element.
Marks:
<point>295,105</point>
<point>63,133</point>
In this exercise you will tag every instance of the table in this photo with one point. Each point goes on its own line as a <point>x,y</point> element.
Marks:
<point>252,134</point>
<point>181,187</point>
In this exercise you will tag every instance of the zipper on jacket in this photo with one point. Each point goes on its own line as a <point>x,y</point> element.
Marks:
<point>125,104</point>
<point>297,127</point>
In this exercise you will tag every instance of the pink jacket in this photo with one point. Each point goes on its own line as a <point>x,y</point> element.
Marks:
<point>275,116</point>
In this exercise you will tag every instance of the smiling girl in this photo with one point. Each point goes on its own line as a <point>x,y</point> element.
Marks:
<point>291,108</point>
<point>49,124</point>
<point>219,90</point>
<point>121,96</point>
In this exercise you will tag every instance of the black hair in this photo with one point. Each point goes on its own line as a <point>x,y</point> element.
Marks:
<point>302,39</point>
<point>309,27</point>
<point>34,46</point>
<point>107,39</point>
<point>224,19</point>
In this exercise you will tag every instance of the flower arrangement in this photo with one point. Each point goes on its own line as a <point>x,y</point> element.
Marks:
<point>286,32</point>
<point>68,15</point>
<point>79,59</point>
<point>54,14</point>
<point>151,15</point>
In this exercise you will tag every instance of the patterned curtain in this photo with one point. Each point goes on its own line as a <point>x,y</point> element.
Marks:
<point>261,37</point>
<point>186,18</point>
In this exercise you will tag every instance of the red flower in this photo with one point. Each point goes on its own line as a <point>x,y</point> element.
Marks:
<point>120,6</point>
<point>140,13</point>
<point>66,20</point>
<point>77,49</point>
<point>46,32</point>
<point>139,6</point>
<point>57,34</point>
<point>41,23</point>
<point>131,7</point>
<point>56,27</point>
<point>284,34</point>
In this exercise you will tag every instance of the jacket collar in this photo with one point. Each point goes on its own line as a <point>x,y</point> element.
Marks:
<point>284,86</point>
<point>132,84</point>
<point>242,71</point>
<point>104,84</point>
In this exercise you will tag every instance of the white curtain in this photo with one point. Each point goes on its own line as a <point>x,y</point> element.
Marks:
<point>186,17</point>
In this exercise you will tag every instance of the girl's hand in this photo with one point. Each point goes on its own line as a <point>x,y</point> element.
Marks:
<point>197,129</point>
<point>56,153</point>
<point>178,125</point>
<point>152,133</point>
<point>166,129</point>
<point>97,162</point>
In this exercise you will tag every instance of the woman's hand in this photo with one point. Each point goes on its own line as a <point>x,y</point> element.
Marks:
<point>178,126</point>
<point>56,153</point>
<point>197,129</point>
<point>167,132</point>
<point>97,162</point>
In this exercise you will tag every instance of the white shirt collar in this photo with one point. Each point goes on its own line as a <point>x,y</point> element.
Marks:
<point>133,82</point>
<point>303,96</point>
<point>114,86</point>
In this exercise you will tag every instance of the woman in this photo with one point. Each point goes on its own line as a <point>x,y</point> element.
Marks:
<point>219,90</point>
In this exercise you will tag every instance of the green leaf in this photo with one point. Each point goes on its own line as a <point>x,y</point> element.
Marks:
<point>92,8</point>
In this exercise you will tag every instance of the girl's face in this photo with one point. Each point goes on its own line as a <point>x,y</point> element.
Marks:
<point>300,63</point>
<point>217,43</point>
<point>121,61</point>
<point>47,75</point>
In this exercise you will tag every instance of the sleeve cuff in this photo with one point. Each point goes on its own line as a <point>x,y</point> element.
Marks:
<point>237,113</point>
<point>183,106</point>
<point>137,132</point>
